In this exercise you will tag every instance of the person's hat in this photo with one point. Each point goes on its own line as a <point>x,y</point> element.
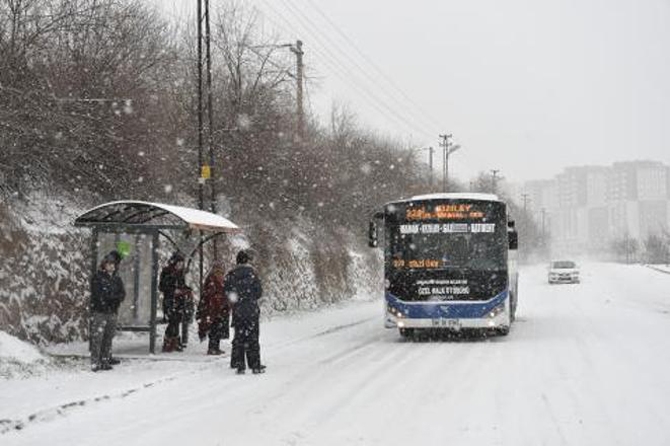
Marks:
<point>218,266</point>
<point>244,256</point>
<point>176,257</point>
<point>109,258</point>
<point>115,256</point>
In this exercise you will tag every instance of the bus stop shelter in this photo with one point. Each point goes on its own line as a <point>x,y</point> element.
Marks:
<point>151,220</point>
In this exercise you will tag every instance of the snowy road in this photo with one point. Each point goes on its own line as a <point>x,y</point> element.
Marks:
<point>585,364</point>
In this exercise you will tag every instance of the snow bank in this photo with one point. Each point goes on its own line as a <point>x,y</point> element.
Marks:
<point>15,350</point>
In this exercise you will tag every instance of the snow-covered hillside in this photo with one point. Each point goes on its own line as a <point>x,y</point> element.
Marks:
<point>45,286</point>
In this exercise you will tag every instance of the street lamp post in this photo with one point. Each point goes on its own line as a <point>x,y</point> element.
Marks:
<point>448,148</point>
<point>451,148</point>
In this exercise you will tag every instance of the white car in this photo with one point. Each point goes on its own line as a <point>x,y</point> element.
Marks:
<point>563,271</point>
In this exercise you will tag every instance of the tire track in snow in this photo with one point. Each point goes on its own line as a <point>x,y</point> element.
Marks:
<point>329,331</point>
<point>63,410</point>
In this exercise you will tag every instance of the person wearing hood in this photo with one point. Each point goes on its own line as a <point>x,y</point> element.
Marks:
<point>243,289</point>
<point>107,293</point>
<point>214,310</point>
<point>177,301</point>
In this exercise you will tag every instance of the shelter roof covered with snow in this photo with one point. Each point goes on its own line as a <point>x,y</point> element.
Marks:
<point>157,215</point>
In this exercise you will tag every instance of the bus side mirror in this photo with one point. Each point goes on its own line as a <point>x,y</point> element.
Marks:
<point>513,238</point>
<point>372,235</point>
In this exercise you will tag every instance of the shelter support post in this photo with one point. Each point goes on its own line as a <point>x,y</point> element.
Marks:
<point>94,252</point>
<point>136,284</point>
<point>94,269</point>
<point>154,290</point>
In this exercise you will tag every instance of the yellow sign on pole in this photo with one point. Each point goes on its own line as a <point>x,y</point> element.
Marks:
<point>205,172</point>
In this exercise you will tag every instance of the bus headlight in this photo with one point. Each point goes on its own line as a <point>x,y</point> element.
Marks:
<point>394,311</point>
<point>496,311</point>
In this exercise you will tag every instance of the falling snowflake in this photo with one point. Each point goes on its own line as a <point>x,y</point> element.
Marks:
<point>167,188</point>
<point>244,121</point>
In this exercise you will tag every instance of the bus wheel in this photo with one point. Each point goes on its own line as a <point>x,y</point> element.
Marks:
<point>406,333</point>
<point>502,331</point>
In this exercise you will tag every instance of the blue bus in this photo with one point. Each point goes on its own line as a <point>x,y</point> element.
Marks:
<point>450,263</point>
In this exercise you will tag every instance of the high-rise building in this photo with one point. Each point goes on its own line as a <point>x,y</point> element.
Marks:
<point>591,206</point>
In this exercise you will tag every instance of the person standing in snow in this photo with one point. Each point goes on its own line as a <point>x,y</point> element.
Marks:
<point>177,301</point>
<point>243,289</point>
<point>117,257</point>
<point>214,310</point>
<point>107,293</point>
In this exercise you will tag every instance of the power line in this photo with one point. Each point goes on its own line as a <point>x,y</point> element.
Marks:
<point>336,70</point>
<point>342,73</point>
<point>404,120</point>
<point>330,44</point>
<point>371,62</point>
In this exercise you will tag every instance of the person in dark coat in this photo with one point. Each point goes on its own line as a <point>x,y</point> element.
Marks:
<point>177,301</point>
<point>243,289</point>
<point>214,310</point>
<point>107,293</point>
<point>117,257</point>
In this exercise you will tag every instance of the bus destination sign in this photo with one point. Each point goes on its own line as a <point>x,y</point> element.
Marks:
<point>445,212</point>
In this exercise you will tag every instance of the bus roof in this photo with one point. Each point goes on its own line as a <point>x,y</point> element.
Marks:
<point>452,196</point>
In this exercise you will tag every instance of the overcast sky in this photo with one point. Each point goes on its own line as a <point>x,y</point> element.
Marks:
<point>524,86</point>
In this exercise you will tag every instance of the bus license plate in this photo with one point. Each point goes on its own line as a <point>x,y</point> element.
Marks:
<point>453,324</point>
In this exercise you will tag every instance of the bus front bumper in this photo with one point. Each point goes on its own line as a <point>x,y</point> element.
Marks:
<point>497,317</point>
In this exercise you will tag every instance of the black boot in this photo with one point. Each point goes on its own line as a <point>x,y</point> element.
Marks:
<point>258,370</point>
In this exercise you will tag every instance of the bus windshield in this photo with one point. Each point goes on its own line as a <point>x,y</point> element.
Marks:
<point>420,237</point>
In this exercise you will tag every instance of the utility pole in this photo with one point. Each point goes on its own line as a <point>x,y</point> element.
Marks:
<point>494,172</point>
<point>204,168</point>
<point>430,163</point>
<point>299,76</point>
<point>448,149</point>
<point>445,145</point>
<point>210,124</point>
<point>297,50</point>
<point>201,169</point>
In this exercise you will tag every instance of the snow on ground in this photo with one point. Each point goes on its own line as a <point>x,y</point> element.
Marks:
<point>660,268</point>
<point>585,364</point>
<point>18,358</point>
<point>13,349</point>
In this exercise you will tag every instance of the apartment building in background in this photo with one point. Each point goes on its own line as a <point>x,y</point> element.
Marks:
<point>585,208</point>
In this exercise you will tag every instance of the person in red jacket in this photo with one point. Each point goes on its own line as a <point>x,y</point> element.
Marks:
<point>214,310</point>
